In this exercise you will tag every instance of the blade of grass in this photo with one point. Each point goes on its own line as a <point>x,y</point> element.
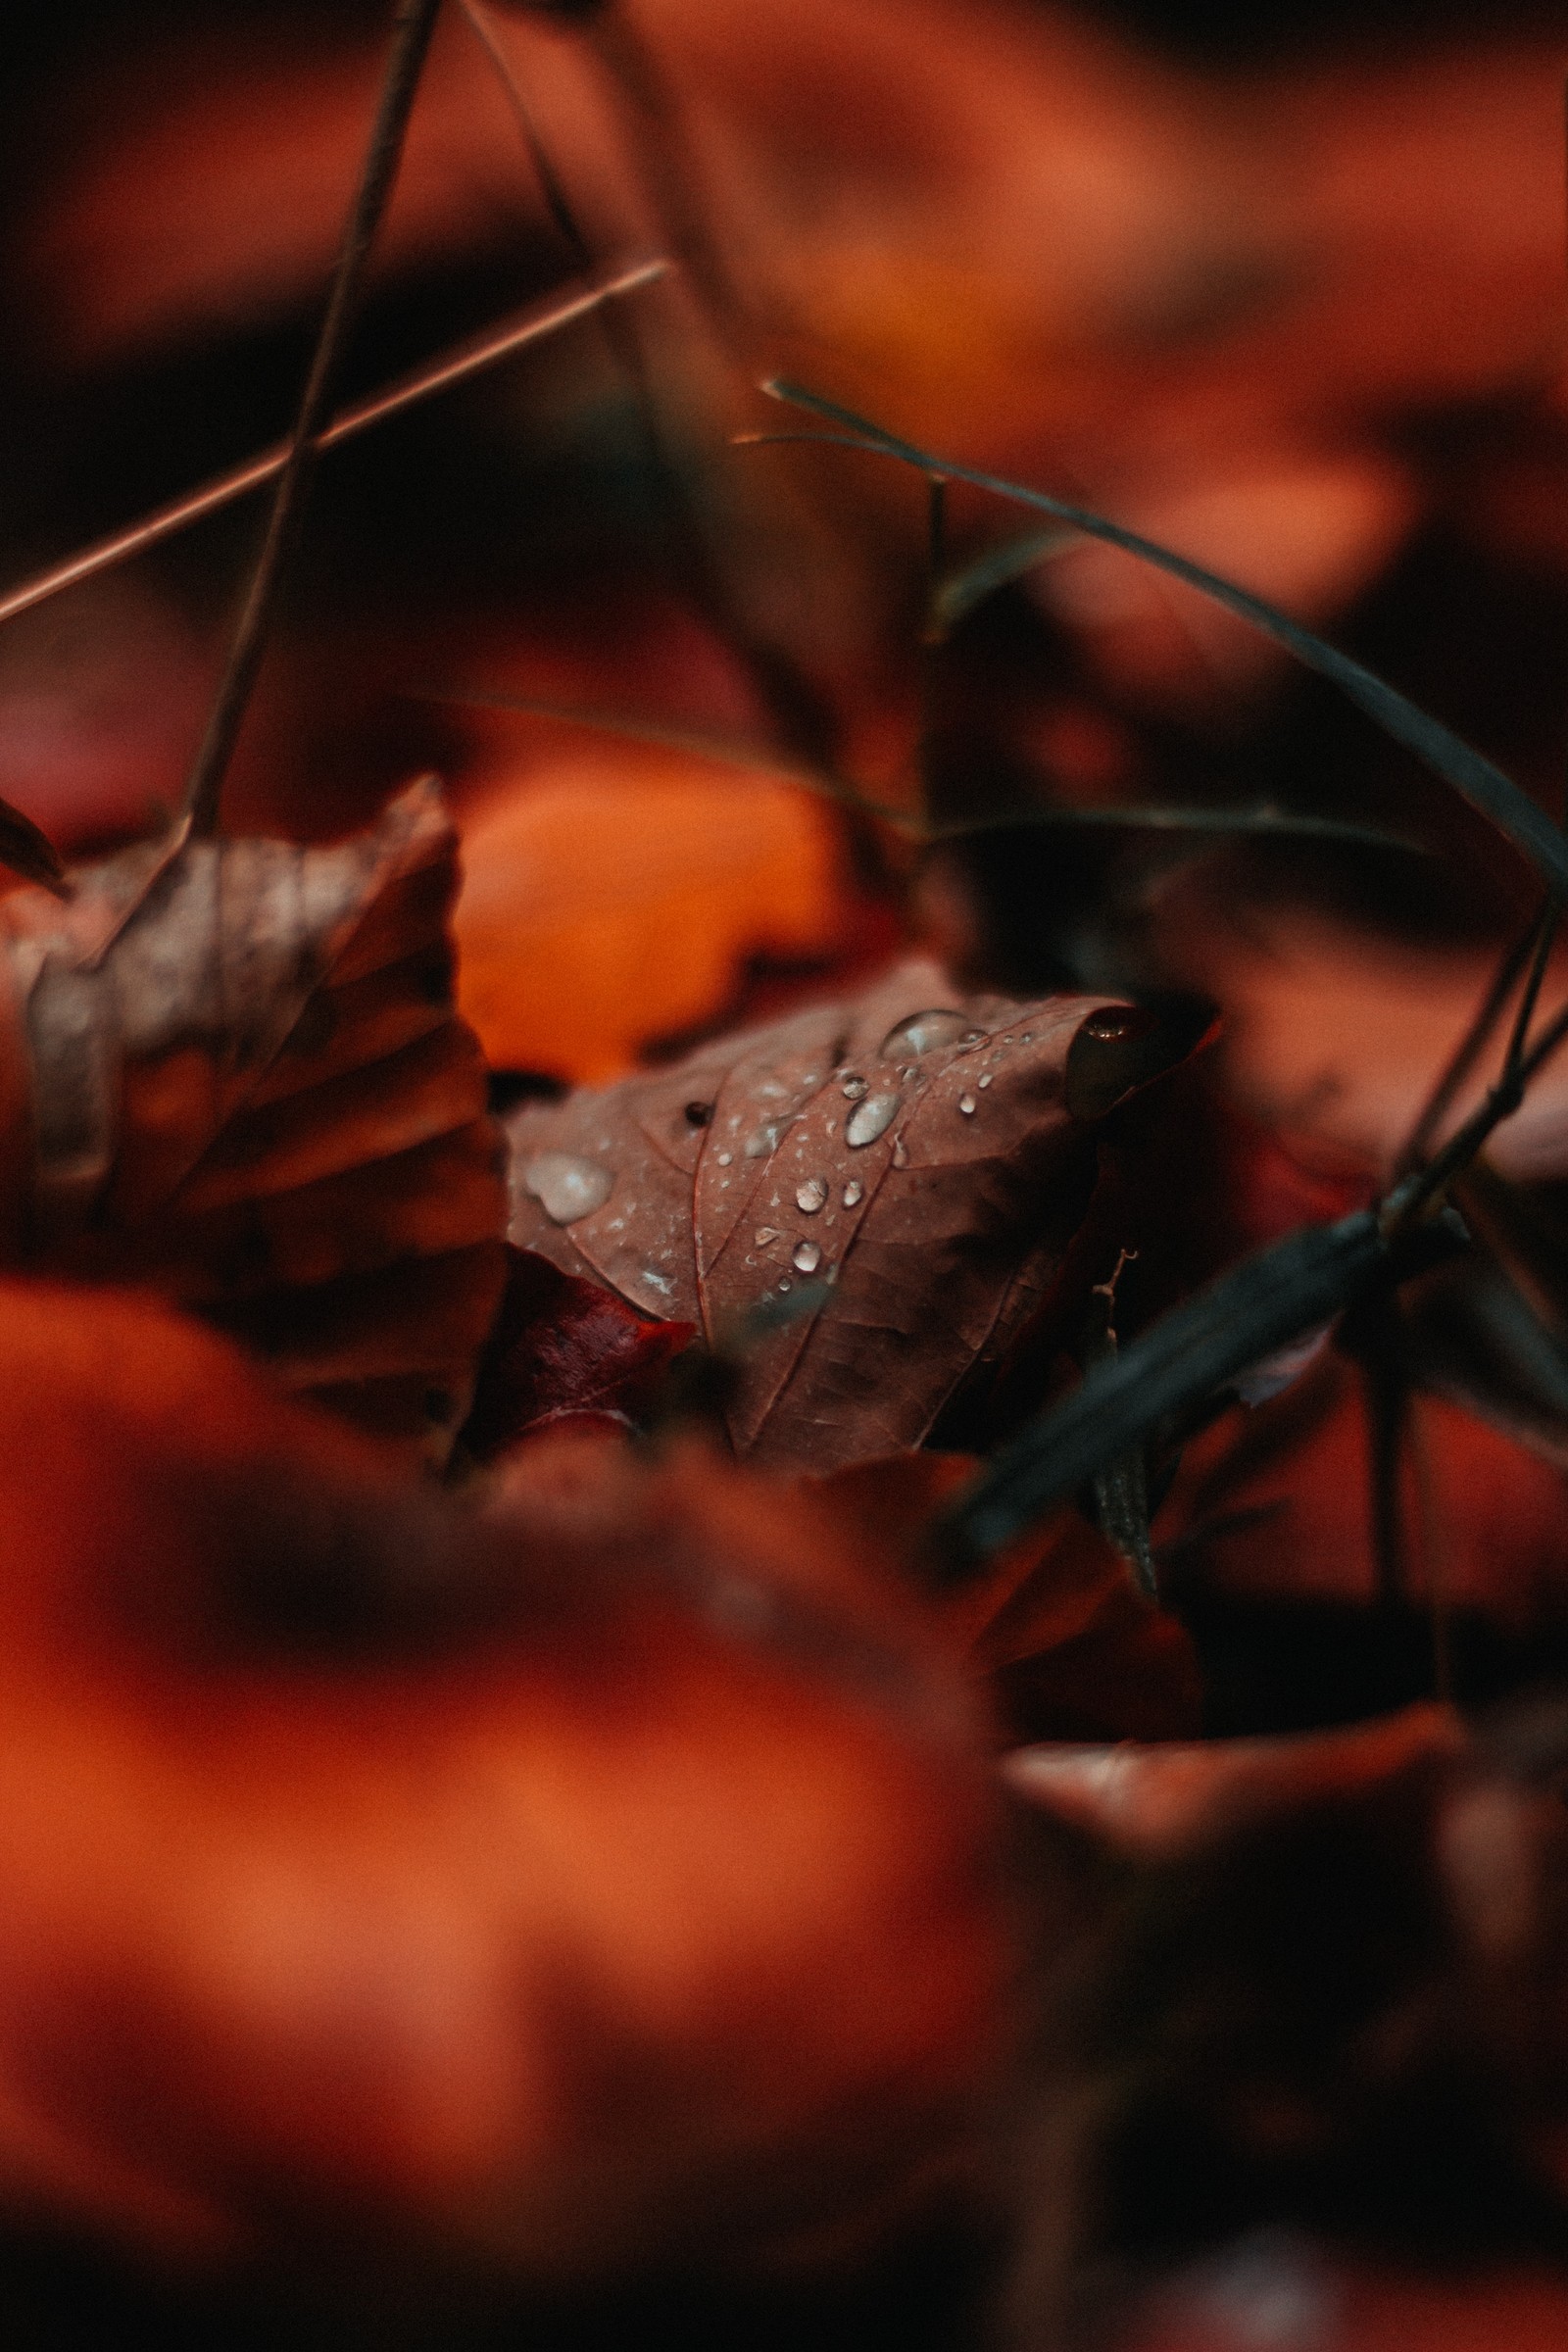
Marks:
<point>1255,1308</point>
<point>1468,1052</point>
<point>960,592</point>
<point>1485,786</point>
<point>763,760</point>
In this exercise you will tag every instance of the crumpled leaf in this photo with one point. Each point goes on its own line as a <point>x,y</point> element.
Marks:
<point>600,1877</point>
<point>564,1350</point>
<point>231,1070</point>
<point>926,1157</point>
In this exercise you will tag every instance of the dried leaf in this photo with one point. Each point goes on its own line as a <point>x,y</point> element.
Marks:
<point>914,1151</point>
<point>231,1070</point>
<point>600,1877</point>
<point>564,1350</point>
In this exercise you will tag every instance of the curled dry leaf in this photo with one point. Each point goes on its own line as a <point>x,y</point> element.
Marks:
<point>908,1167</point>
<point>606,1875</point>
<point>233,1071</point>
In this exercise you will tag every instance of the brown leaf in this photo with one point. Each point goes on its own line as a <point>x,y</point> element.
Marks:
<point>233,1071</point>
<point>912,1151</point>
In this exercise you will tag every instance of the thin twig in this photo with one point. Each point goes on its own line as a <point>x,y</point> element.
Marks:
<point>553,188</point>
<point>451,367</point>
<point>411,40</point>
<point>1408,1200</point>
<point>794,707</point>
<point>1552,916</point>
<point>1468,1052</point>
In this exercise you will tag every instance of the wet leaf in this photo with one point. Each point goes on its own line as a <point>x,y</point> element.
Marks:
<point>566,1351</point>
<point>232,1072</point>
<point>913,1150</point>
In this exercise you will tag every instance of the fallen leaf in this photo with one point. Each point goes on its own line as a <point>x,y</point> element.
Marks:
<point>614,901</point>
<point>231,1070</point>
<point>604,1876</point>
<point>564,1350</point>
<point>914,1153</point>
<point>1275,1503</point>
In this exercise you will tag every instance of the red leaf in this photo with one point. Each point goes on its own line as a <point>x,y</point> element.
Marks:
<point>564,1350</point>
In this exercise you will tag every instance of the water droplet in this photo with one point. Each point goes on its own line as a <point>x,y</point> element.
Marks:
<point>967,1104</point>
<point>786,1284</point>
<point>698,1114</point>
<point>725,1159</point>
<point>985,1080</point>
<point>1112,1049</point>
<point>810,1195</point>
<point>832,1127</point>
<point>566,1186</point>
<point>923,1031</point>
<point>660,1282</point>
<point>1026,1037</point>
<point>853,1193</point>
<point>852,1088</point>
<point>972,1036</point>
<point>765,1233</point>
<point>901,1152</point>
<point>871,1118</point>
<point>806,1257</point>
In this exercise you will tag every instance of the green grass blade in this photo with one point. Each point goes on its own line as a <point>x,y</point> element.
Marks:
<point>1496,795</point>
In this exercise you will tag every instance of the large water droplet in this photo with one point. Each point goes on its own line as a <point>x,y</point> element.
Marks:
<point>871,1118</point>
<point>853,1193</point>
<point>810,1195</point>
<point>806,1257</point>
<point>966,1106</point>
<point>985,1080</point>
<point>923,1031</point>
<point>853,1088</point>
<point>566,1186</point>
